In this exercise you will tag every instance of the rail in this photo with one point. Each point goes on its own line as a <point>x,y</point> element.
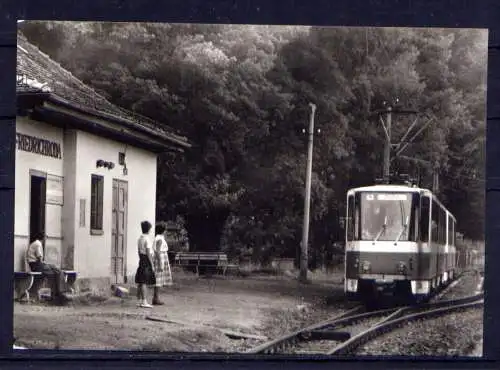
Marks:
<point>391,318</point>
<point>289,339</point>
<point>389,325</point>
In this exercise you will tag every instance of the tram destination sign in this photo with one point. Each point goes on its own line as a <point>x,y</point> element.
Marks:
<point>387,196</point>
<point>37,145</point>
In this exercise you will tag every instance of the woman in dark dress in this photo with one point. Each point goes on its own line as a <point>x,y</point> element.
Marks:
<point>145,274</point>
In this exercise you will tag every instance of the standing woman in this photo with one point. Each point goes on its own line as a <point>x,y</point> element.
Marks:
<point>161,265</point>
<point>145,274</point>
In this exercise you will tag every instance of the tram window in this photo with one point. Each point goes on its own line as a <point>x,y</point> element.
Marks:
<point>350,217</point>
<point>413,235</point>
<point>357,217</point>
<point>453,235</point>
<point>424,219</point>
<point>450,230</point>
<point>442,225</point>
<point>435,223</point>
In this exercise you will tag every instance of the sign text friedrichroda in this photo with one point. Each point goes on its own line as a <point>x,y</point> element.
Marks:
<point>38,146</point>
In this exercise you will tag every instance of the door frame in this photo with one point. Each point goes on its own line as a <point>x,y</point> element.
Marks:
<point>43,175</point>
<point>114,240</point>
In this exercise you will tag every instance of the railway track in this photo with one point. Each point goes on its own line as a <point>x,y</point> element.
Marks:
<point>343,334</point>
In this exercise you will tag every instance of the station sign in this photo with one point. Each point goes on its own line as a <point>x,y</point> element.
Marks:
<point>37,145</point>
<point>55,190</point>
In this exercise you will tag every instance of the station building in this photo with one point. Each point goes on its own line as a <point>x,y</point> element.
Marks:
<point>85,171</point>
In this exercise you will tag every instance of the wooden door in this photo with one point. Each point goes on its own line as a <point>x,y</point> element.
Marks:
<point>119,232</point>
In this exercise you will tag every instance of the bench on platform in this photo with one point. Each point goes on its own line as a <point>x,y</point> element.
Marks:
<point>70,279</point>
<point>24,281</point>
<point>202,259</point>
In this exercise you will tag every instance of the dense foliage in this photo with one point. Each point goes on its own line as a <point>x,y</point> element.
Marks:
<point>241,94</point>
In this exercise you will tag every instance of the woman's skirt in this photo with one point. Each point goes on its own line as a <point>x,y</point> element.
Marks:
<point>145,273</point>
<point>161,268</point>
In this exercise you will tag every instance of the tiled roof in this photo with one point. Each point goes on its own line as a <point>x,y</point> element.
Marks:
<point>36,71</point>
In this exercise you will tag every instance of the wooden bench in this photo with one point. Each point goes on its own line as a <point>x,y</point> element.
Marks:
<point>202,259</point>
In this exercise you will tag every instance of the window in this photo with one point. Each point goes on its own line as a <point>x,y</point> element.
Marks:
<point>454,233</point>
<point>387,216</point>
<point>439,231</point>
<point>415,219</point>
<point>96,202</point>
<point>357,216</point>
<point>350,218</point>
<point>442,226</point>
<point>450,230</point>
<point>424,219</point>
<point>435,222</point>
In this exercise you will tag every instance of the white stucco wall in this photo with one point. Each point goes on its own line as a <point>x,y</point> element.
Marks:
<point>69,215</point>
<point>26,161</point>
<point>70,245</point>
<point>92,253</point>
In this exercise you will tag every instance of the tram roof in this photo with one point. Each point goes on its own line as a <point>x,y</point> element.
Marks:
<point>390,188</point>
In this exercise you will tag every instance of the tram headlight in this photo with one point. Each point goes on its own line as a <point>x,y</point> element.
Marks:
<point>351,285</point>
<point>401,268</point>
<point>365,266</point>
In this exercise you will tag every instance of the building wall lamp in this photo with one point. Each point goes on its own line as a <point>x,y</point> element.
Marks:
<point>101,163</point>
<point>121,161</point>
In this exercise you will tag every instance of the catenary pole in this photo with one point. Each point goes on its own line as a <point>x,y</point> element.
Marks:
<point>307,201</point>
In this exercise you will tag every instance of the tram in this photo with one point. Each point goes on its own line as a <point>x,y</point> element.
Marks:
<point>400,241</point>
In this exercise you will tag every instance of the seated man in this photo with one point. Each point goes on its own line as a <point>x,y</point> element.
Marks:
<point>34,257</point>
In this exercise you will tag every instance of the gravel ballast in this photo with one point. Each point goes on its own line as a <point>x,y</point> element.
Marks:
<point>456,334</point>
<point>465,287</point>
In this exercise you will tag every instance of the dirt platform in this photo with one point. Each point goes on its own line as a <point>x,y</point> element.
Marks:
<point>200,315</point>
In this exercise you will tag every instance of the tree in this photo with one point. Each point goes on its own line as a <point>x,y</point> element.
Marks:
<point>241,94</point>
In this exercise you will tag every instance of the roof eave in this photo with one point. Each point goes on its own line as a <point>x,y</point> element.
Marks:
<point>69,118</point>
<point>27,100</point>
<point>169,138</point>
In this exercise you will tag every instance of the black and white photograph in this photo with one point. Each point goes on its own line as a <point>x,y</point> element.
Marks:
<point>249,189</point>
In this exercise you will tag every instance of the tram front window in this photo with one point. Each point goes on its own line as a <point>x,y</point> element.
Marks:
<point>386,216</point>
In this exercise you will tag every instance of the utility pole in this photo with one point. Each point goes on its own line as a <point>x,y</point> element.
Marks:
<point>388,144</point>
<point>404,142</point>
<point>305,231</point>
